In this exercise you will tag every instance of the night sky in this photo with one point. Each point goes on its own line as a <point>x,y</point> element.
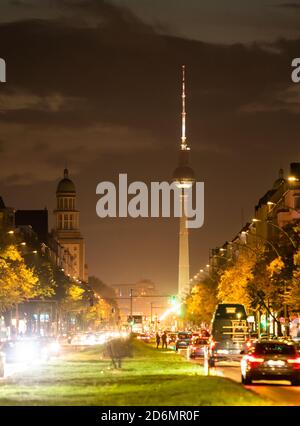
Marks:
<point>96,85</point>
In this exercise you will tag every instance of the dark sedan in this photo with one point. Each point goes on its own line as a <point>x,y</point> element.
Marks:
<point>183,340</point>
<point>271,360</point>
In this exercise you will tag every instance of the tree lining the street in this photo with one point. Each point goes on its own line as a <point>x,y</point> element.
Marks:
<point>263,281</point>
<point>201,303</point>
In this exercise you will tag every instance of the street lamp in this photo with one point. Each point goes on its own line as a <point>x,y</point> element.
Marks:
<point>255,220</point>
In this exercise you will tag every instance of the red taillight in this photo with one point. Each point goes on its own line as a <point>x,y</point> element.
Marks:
<point>253,359</point>
<point>212,343</point>
<point>295,362</point>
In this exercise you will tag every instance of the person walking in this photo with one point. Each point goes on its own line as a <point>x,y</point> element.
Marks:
<point>164,339</point>
<point>157,337</point>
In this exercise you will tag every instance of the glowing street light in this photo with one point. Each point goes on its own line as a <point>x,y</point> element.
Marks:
<point>255,220</point>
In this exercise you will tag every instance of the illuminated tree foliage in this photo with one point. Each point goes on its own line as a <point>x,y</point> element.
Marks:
<point>233,283</point>
<point>201,303</point>
<point>17,281</point>
<point>293,296</point>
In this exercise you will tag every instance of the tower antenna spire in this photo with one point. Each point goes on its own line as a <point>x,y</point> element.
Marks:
<point>183,113</point>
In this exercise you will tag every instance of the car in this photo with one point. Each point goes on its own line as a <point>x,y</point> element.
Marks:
<point>204,334</point>
<point>24,351</point>
<point>271,360</point>
<point>51,345</point>
<point>144,337</point>
<point>198,347</point>
<point>172,338</point>
<point>183,340</point>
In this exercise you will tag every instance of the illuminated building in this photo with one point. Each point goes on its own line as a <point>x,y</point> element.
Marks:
<point>184,177</point>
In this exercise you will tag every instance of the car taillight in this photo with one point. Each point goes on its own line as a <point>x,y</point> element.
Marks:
<point>295,362</point>
<point>212,344</point>
<point>254,359</point>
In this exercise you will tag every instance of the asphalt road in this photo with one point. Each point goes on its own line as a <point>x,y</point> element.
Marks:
<point>281,392</point>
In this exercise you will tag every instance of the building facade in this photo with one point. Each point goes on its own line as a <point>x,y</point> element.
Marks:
<point>67,226</point>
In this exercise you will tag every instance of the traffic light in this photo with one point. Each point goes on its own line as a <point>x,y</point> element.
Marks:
<point>263,321</point>
<point>130,320</point>
<point>173,300</point>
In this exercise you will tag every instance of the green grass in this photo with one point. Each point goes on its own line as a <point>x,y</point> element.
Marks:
<point>149,378</point>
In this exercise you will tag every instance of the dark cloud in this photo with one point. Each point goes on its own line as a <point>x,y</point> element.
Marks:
<point>292,6</point>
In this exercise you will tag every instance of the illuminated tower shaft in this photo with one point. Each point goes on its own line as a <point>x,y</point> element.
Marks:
<point>184,261</point>
<point>184,178</point>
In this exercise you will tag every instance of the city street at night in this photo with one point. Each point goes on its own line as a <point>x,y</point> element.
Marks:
<point>149,212</point>
<point>150,377</point>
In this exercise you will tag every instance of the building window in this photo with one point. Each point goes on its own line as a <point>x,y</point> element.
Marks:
<point>297,201</point>
<point>66,221</point>
<point>60,221</point>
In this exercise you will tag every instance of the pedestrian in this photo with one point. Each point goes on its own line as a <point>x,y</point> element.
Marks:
<point>164,339</point>
<point>157,339</point>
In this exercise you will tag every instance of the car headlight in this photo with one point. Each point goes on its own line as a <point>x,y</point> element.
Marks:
<point>55,347</point>
<point>27,352</point>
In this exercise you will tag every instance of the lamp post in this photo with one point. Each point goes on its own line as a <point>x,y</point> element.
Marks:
<point>285,313</point>
<point>255,220</point>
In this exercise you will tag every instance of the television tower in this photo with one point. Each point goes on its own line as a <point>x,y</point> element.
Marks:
<point>184,177</point>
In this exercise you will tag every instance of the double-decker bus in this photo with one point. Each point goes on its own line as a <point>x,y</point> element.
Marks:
<point>229,332</point>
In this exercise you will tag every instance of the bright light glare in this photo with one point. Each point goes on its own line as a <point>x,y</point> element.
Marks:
<point>169,311</point>
<point>26,352</point>
<point>55,347</point>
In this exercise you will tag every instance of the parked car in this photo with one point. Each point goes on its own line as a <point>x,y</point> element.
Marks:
<point>183,340</point>
<point>198,347</point>
<point>271,360</point>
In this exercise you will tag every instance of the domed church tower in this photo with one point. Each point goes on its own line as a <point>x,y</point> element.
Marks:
<point>66,226</point>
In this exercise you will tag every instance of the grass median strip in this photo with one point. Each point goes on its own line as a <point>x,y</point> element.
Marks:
<point>150,377</point>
